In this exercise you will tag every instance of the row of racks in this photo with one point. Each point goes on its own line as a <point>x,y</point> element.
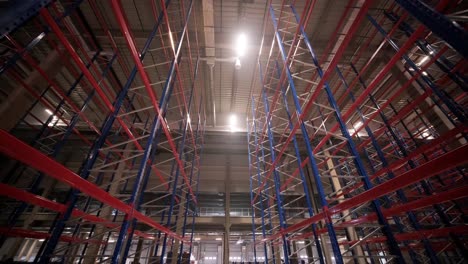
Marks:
<point>368,140</point>
<point>137,133</point>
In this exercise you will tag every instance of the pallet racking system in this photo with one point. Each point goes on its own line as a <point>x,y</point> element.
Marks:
<point>357,155</point>
<point>370,153</point>
<point>135,195</point>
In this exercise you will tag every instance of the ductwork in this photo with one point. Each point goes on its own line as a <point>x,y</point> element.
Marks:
<point>208,24</point>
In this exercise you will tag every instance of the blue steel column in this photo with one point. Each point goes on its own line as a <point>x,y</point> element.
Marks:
<point>85,171</point>
<point>181,156</point>
<point>259,180</point>
<point>98,179</point>
<point>383,159</point>
<point>392,243</point>
<point>313,164</point>
<point>194,158</point>
<point>251,191</point>
<point>301,171</point>
<point>140,182</point>
<point>277,179</point>
<point>198,172</point>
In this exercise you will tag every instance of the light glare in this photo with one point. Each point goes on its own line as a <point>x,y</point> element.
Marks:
<point>233,120</point>
<point>422,61</point>
<point>233,123</point>
<point>241,44</point>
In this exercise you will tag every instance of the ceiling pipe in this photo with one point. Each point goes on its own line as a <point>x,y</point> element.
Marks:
<point>209,34</point>
<point>211,60</point>
<point>213,99</point>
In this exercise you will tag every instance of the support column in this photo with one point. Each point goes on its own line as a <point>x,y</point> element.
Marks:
<point>219,255</point>
<point>137,257</point>
<point>179,225</point>
<point>350,230</point>
<point>227,209</point>
<point>75,250</point>
<point>23,248</point>
<point>31,249</point>
<point>309,250</point>
<point>106,212</point>
<point>322,240</point>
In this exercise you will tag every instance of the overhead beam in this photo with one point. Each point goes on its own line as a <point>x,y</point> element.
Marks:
<point>18,150</point>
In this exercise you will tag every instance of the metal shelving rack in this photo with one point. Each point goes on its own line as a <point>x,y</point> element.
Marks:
<point>354,163</point>
<point>142,137</point>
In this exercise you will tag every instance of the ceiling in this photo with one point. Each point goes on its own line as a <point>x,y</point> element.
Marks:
<point>212,31</point>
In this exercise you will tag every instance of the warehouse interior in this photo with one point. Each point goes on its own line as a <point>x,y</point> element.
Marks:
<point>241,131</point>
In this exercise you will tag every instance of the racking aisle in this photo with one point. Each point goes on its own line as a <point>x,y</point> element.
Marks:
<point>358,153</point>
<point>140,130</point>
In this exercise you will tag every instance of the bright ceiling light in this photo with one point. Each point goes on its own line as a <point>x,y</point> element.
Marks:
<point>241,45</point>
<point>423,60</point>
<point>358,124</point>
<point>218,239</point>
<point>48,111</point>
<point>233,122</point>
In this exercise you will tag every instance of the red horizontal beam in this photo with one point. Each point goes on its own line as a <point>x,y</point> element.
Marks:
<point>17,232</point>
<point>438,165</point>
<point>447,161</point>
<point>445,138</point>
<point>437,198</point>
<point>417,235</point>
<point>18,150</point>
<point>437,246</point>
<point>27,197</point>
